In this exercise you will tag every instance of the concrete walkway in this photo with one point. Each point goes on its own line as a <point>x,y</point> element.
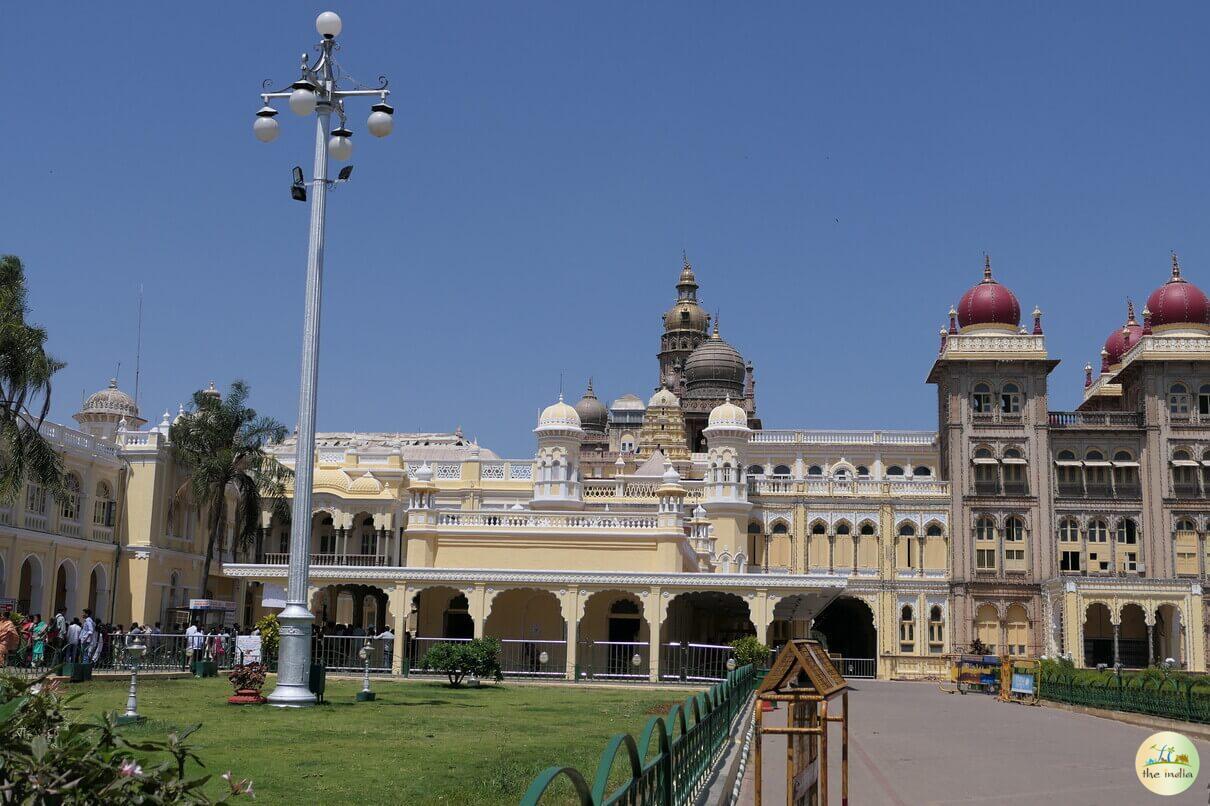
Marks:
<point>912,745</point>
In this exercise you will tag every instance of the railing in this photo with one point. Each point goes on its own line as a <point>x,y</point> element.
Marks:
<point>987,488</point>
<point>1097,419</point>
<point>525,658</point>
<point>165,652</point>
<point>1071,490</point>
<point>694,662</point>
<point>69,528</point>
<point>417,648</point>
<point>688,743</point>
<point>856,667</point>
<point>342,653</point>
<point>794,437</point>
<point>278,558</point>
<point>36,522</point>
<point>1186,491</point>
<point>1016,488</point>
<point>544,520</point>
<point>618,660</point>
<point>1170,698</point>
<point>815,486</point>
<point>71,438</point>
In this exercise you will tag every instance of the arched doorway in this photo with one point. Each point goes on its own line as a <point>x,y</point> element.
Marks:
<point>614,637</point>
<point>29,586</point>
<point>1098,635</point>
<point>847,627</point>
<point>98,593</point>
<point>987,628</point>
<point>697,632</point>
<point>1132,637</point>
<point>65,588</point>
<point>1167,634</point>
<point>532,632</point>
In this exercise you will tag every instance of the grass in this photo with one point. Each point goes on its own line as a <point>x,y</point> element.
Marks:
<point>418,743</point>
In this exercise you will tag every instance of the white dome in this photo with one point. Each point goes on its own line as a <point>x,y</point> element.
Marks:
<point>664,398</point>
<point>627,402</point>
<point>111,400</point>
<point>423,473</point>
<point>559,415</point>
<point>670,475</point>
<point>728,415</point>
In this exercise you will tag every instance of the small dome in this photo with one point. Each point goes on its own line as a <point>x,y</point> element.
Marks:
<point>686,315</point>
<point>1121,340</point>
<point>423,473</point>
<point>670,475</point>
<point>366,484</point>
<point>728,415</point>
<point>111,400</point>
<point>593,415</point>
<point>989,303</point>
<point>1178,302</point>
<point>699,512</point>
<point>715,364</point>
<point>664,398</point>
<point>559,415</point>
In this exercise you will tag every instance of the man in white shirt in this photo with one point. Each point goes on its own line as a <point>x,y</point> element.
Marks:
<point>388,643</point>
<point>196,641</point>
<point>88,634</point>
<point>73,641</point>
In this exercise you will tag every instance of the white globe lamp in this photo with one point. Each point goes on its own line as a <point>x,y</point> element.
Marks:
<point>340,145</point>
<point>381,119</point>
<point>328,24</point>
<point>265,128</point>
<point>303,98</point>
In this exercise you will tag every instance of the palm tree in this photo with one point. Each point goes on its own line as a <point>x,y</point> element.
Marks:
<point>25,374</point>
<point>220,443</point>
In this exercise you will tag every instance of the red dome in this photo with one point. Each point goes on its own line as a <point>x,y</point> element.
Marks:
<point>1120,341</point>
<point>1178,302</point>
<point>989,303</point>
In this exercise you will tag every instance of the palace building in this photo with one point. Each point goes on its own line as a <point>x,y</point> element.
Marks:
<point>672,519</point>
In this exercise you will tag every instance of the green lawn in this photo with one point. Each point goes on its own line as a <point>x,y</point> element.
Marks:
<point>418,743</point>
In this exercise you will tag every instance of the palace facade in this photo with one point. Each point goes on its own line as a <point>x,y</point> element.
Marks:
<point>673,519</point>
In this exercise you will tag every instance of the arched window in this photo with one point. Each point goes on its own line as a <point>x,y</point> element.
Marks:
<point>815,470</point>
<point>1203,400</point>
<point>1066,456</point>
<point>1071,480</point>
<point>894,470</point>
<point>103,506</point>
<point>1184,474</point>
<point>1128,545</point>
<point>934,530</point>
<point>1098,548</point>
<point>35,498</point>
<point>780,529</point>
<point>907,553</point>
<point>69,507</point>
<point>1125,475</point>
<point>1178,400</point>
<point>981,400</point>
<point>842,473</point>
<point>1094,455</point>
<point>867,528</point>
<point>781,470</point>
<point>863,472</point>
<point>1014,544</point>
<point>936,630</point>
<point>907,630</point>
<point>818,528</point>
<point>1010,399</point>
<point>1186,547</point>
<point>1098,531</point>
<point>755,470</point>
<point>985,544</point>
<point>842,529</point>
<point>1017,630</point>
<point>987,627</point>
<point>369,540</point>
<point>922,471</point>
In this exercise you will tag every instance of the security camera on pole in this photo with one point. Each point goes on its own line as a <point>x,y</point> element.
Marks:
<point>316,92</point>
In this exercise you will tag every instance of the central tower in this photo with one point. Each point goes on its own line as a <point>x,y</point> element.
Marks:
<point>686,324</point>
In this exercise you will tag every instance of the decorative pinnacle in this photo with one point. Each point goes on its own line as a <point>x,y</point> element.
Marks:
<point>1176,267</point>
<point>1130,312</point>
<point>1037,321</point>
<point>987,267</point>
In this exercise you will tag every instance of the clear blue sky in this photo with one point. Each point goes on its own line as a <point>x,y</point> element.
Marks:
<point>835,172</point>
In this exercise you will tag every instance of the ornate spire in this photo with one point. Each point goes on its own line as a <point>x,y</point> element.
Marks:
<point>1176,268</point>
<point>1104,360</point>
<point>1130,312</point>
<point>1087,375</point>
<point>1037,321</point>
<point>1146,321</point>
<point>953,320</point>
<point>987,268</point>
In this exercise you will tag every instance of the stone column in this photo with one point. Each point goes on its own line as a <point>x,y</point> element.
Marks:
<point>478,608</point>
<point>570,602</point>
<point>1117,629</point>
<point>398,600</point>
<point>920,556</point>
<point>654,608</point>
<point>1150,634</point>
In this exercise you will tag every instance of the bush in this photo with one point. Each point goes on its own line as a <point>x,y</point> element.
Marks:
<point>248,677</point>
<point>270,635</point>
<point>45,758</point>
<point>480,658</point>
<point>749,649</point>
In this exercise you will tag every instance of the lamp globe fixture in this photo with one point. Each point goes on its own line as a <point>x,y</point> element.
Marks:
<point>340,145</point>
<point>381,120</point>
<point>328,24</point>
<point>303,98</point>
<point>265,127</point>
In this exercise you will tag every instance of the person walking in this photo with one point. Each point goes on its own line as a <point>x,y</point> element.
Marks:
<point>10,637</point>
<point>39,636</point>
<point>196,641</point>
<point>88,637</point>
<point>58,633</point>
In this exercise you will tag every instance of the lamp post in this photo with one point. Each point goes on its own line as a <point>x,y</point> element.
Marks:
<point>316,92</point>
<point>365,695</point>
<point>135,651</point>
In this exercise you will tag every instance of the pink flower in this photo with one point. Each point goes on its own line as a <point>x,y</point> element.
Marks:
<point>248,791</point>
<point>227,776</point>
<point>130,769</point>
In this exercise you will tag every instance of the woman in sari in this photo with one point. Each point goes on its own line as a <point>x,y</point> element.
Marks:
<point>39,637</point>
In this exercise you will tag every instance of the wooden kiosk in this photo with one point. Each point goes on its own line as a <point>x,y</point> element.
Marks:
<point>804,678</point>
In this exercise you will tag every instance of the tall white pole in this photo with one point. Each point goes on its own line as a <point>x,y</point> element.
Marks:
<point>294,649</point>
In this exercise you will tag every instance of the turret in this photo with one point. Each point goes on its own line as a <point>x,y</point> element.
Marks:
<point>557,464</point>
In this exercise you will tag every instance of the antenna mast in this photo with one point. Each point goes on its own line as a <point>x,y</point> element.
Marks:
<point>138,350</point>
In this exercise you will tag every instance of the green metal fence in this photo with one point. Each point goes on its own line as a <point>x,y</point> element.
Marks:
<point>687,741</point>
<point>1172,698</point>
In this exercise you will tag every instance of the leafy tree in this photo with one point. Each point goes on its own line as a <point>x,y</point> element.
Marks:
<point>480,657</point>
<point>749,649</point>
<point>26,370</point>
<point>221,442</point>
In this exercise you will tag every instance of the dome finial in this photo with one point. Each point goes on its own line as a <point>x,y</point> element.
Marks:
<point>987,267</point>
<point>1176,267</point>
<point>716,318</point>
<point>1130,312</point>
<point>1087,375</point>
<point>1037,321</point>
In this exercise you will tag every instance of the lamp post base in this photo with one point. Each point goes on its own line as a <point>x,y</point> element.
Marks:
<point>129,719</point>
<point>293,659</point>
<point>365,696</point>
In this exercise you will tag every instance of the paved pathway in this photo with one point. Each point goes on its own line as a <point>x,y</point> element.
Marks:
<point>912,745</point>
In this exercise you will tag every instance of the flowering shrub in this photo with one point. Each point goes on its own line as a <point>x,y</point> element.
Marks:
<point>45,758</point>
<point>248,677</point>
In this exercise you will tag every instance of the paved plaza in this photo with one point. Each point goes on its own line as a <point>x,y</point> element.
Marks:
<point>912,745</point>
